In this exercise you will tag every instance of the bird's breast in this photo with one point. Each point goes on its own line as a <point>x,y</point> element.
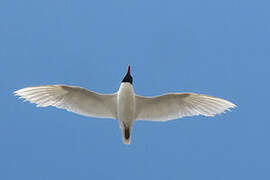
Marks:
<point>126,104</point>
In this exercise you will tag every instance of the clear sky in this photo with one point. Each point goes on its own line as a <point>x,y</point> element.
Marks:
<point>214,47</point>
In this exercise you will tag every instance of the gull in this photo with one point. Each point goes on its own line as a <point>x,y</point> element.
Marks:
<point>124,105</point>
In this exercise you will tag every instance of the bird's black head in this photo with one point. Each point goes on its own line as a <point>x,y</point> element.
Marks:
<point>128,77</point>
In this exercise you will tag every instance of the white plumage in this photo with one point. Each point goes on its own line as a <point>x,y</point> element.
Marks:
<point>71,98</point>
<point>176,105</point>
<point>124,105</point>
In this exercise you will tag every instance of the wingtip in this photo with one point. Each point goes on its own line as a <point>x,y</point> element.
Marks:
<point>17,94</point>
<point>232,106</point>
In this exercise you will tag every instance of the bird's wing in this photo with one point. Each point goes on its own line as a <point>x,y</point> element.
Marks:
<point>71,98</point>
<point>176,105</point>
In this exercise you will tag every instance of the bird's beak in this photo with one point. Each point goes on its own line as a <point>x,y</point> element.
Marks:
<point>128,72</point>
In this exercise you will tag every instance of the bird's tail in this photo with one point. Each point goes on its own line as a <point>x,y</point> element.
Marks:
<point>126,134</point>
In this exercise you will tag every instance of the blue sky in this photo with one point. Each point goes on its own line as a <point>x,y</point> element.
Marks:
<point>220,48</point>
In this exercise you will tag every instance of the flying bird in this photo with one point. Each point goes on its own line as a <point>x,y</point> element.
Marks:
<point>124,105</point>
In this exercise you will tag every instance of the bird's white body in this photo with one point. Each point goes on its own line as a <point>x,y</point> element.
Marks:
<point>124,105</point>
<point>126,108</point>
